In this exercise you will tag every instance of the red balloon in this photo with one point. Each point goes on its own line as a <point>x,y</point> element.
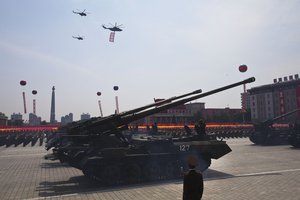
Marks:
<point>22,82</point>
<point>34,92</point>
<point>116,87</point>
<point>98,93</point>
<point>243,68</point>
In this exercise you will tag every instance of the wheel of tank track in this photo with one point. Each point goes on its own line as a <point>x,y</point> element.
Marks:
<point>204,164</point>
<point>132,173</point>
<point>294,141</point>
<point>89,173</point>
<point>92,171</point>
<point>255,139</point>
<point>111,175</point>
<point>171,170</point>
<point>152,171</point>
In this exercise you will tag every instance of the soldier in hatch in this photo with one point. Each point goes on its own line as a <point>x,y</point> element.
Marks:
<point>200,129</point>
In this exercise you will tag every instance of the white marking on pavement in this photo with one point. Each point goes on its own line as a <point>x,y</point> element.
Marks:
<point>253,174</point>
<point>22,155</point>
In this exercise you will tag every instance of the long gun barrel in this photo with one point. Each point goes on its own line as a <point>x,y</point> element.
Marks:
<point>124,119</point>
<point>270,121</point>
<point>114,117</point>
<point>159,103</point>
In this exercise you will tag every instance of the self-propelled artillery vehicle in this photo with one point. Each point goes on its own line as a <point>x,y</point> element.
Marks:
<point>294,137</point>
<point>99,148</point>
<point>266,134</point>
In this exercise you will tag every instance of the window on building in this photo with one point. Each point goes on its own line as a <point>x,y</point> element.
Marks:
<point>281,101</point>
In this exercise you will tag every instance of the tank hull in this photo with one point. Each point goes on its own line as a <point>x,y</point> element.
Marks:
<point>274,137</point>
<point>294,139</point>
<point>149,160</point>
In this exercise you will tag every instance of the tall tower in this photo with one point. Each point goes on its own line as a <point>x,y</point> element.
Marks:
<point>52,114</point>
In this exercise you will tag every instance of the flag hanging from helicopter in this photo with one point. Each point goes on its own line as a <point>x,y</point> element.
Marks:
<point>113,29</point>
<point>112,37</point>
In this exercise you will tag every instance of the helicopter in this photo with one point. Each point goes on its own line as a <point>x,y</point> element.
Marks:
<point>113,27</point>
<point>81,13</point>
<point>78,37</point>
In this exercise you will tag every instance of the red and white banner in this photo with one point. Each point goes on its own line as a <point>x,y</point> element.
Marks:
<point>298,99</point>
<point>112,37</point>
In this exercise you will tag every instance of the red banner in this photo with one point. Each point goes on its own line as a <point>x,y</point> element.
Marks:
<point>29,128</point>
<point>298,100</point>
<point>281,103</point>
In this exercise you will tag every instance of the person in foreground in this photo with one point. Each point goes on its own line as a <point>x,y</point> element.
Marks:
<point>193,181</point>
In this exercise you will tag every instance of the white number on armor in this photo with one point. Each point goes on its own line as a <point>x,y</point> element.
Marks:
<point>184,147</point>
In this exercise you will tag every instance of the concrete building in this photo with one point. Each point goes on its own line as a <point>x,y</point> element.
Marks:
<point>194,108</point>
<point>67,119</point>
<point>190,112</point>
<point>222,114</point>
<point>16,119</point>
<point>85,116</point>
<point>272,100</point>
<point>34,119</point>
<point>179,114</point>
<point>3,119</point>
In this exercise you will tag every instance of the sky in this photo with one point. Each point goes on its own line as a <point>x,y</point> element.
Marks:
<point>167,48</point>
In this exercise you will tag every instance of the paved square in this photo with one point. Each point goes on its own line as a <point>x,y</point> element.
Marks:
<point>248,172</point>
